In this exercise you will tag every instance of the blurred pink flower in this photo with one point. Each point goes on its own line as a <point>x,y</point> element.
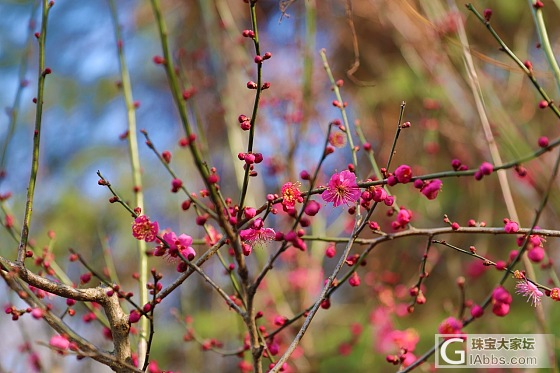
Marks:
<point>337,139</point>
<point>405,339</point>
<point>59,342</point>
<point>450,326</point>
<point>212,237</point>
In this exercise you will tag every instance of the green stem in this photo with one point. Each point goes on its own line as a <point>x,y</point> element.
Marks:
<point>284,246</point>
<point>42,73</point>
<point>177,96</point>
<point>511,55</point>
<point>370,154</point>
<point>397,133</point>
<point>193,145</point>
<point>143,351</point>
<point>545,42</point>
<point>315,308</point>
<point>13,113</point>
<point>198,203</point>
<point>245,187</point>
<point>336,91</point>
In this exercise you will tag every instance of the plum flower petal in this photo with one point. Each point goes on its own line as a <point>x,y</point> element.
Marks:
<point>144,229</point>
<point>342,188</point>
<point>170,238</point>
<point>181,244</point>
<point>185,240</point>
<point>188,253</point>
<point>291,195</point>
<point>257,233</point>
<point>431,188</point>
<point>529,290</point>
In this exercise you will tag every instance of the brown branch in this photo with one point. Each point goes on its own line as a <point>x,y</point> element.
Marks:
<point>18,278</point>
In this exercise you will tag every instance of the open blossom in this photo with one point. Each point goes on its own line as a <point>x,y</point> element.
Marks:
<point>291,195</point>
<point>181,244</point>
<point>534,240</point>
<point>406,339</point>
<point>257,233</point>
<point>342,188</point>
<point>529,290</point>
<point>144,229</point>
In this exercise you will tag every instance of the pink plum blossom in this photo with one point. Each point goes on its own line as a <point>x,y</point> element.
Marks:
<point>291,195</point>
<point>342,188</point>
<point>144,229</point>
<point>403,173</point>
<point>431,188</point>
<point>180,244</point>
<point>257,233</point>
<point>529,290</point>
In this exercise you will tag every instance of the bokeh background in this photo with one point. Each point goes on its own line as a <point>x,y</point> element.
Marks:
<point>407,51</point>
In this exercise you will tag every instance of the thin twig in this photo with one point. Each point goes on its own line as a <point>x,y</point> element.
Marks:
<point>42,74</point>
